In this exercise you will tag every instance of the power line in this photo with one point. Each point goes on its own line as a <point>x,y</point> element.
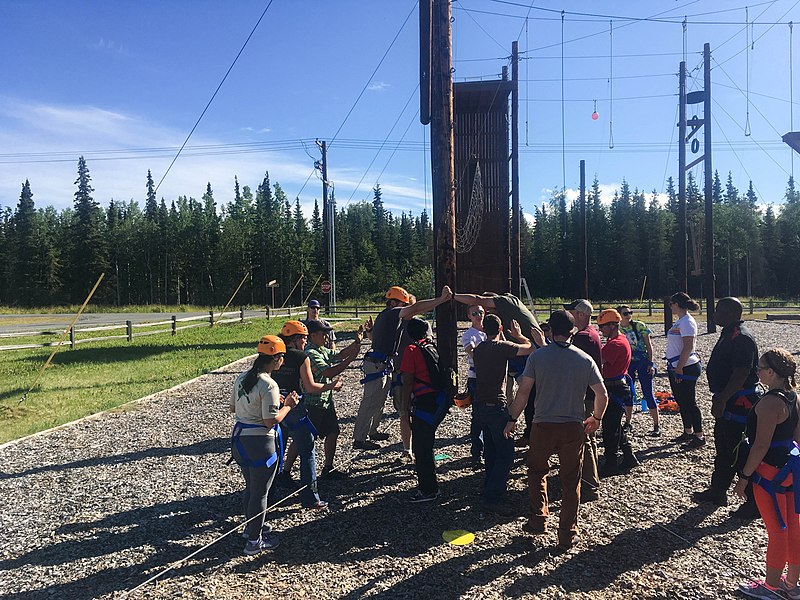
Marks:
<point>214,95</point>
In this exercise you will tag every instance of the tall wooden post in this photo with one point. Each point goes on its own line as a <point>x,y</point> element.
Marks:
<point>709,224</point>
<point>584,237</point>
<point>516,274</point>
<point>683,257</point>
<point>442,180</point>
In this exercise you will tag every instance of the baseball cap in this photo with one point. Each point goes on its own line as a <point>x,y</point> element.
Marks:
<point>561,323</point>
<point>315,325</point>
<point>313,304</point>
<point>581,304</point>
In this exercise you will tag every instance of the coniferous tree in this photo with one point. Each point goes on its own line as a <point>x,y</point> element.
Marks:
<point>88,242</point>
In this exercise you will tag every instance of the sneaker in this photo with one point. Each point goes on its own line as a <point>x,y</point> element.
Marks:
<point>695,442</point>
<point>404,458</point>
<point>379,436</point>
<point>759,589</point>
<point>589,495</point>
<point>710,496</point>
<point>684,437</point>
<point>318,505</point>
<point>791,592</point>
<point>655,433</point>
<point>332,472</point>
<point>264,530</point>
<point>747,511</point>
<point>365,445</point>
<point>260,545</point>
<point>418,497</point>
<point>627,428</point>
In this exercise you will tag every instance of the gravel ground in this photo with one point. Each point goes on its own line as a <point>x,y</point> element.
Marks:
<point>95,508</point>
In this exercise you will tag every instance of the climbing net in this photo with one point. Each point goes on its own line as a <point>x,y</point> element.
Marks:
<point>467,233</point>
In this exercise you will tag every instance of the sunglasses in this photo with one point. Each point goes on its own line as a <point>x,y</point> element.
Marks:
<point>477,313</point>
<point>627,313</point>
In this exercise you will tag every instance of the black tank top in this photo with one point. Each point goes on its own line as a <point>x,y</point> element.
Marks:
<point>288,376</point>
<point>783,431</point>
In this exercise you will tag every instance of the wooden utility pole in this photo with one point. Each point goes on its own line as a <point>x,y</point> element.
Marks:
<point>709,224</point>
<point>683,258</point>
<point>516,274</point>
<point>584,237</point>
<point>442,180</point>
<point>329,219</point>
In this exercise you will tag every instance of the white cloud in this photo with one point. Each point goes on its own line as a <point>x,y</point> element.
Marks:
<point>255,130</point>
<point>119,149</point>
<point>380,86</point>
<point>104,44</point>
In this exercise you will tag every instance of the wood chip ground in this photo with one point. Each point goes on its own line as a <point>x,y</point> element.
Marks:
<point>94,509</point>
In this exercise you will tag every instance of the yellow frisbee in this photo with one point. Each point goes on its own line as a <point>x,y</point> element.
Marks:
<point>458,537</point>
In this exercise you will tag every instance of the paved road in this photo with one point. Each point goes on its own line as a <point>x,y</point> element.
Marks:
<point>59,323</point>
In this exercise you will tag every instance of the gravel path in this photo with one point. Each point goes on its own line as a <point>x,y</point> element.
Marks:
<point>95,508</point>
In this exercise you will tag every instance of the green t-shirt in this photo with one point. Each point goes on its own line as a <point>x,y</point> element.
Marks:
<point>321,360</point>
<point>508,307</point>
<point>635,333</point>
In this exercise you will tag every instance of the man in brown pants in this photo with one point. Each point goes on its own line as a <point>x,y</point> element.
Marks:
<point>562,373</point>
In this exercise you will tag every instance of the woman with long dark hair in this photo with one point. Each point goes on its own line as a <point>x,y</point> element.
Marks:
<point>257,404</point>
<point>773,430</point>
<point>683,369</point>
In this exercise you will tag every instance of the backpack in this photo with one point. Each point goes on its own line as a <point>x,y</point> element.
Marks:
<point>442,378</point>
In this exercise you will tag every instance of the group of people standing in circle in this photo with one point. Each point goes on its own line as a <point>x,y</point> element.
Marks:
<point>568,384</point>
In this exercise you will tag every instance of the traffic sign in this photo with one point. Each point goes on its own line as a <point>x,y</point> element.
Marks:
<point>325,287</point>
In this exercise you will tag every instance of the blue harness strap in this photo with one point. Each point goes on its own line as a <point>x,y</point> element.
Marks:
<point>628,380</point>
<point>773,486</point>
<point>294,424</point>
<point>729,416</point>
<point>246,460</point>
<point>433,419</point>
<point>671,362</point>
<point>376,357</point>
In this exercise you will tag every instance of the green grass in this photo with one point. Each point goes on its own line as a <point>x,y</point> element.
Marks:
<point>103,375</point>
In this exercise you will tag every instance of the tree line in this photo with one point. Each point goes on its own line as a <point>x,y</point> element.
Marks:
<point>196,251</point>
<point>757,252</point>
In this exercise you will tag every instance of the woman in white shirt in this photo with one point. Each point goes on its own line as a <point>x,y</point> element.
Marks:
<point>683,368</point>
<point>256,402</point>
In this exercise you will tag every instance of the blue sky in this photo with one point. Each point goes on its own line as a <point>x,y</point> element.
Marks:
<point>124,82</point>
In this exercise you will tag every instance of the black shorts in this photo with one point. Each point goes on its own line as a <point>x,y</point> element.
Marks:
<point>325,420</point>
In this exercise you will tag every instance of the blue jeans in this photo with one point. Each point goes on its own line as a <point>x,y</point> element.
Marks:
<point>307,454</point>
<point>498,450</point>
<point>475,439</point>
<point>638,369</point>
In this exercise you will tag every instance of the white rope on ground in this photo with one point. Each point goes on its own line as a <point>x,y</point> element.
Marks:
<point>689,543</point>
<point>174,565</point>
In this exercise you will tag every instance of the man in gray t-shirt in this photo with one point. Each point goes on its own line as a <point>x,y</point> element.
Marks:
<point>562,373</point>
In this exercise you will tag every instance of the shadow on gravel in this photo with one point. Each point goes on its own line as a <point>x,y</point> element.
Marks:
<point>160,532</point>
<point>210,446</point>
<point>598,567</point>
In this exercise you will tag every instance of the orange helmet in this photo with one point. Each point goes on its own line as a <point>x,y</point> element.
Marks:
<point>608,315</point>
<point>291,328</point>
<point>271,345</point>
<point>397,293</point>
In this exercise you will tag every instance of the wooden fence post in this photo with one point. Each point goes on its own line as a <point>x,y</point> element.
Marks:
<point>72,337</point>
<point>241,314</point>
<point>211,318</point>
<point>356,312</point>
<point>751,306</point>
<point>268,315</point>
<point>174,325</point>
<point>129,330</point>
<point>650,307</point>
